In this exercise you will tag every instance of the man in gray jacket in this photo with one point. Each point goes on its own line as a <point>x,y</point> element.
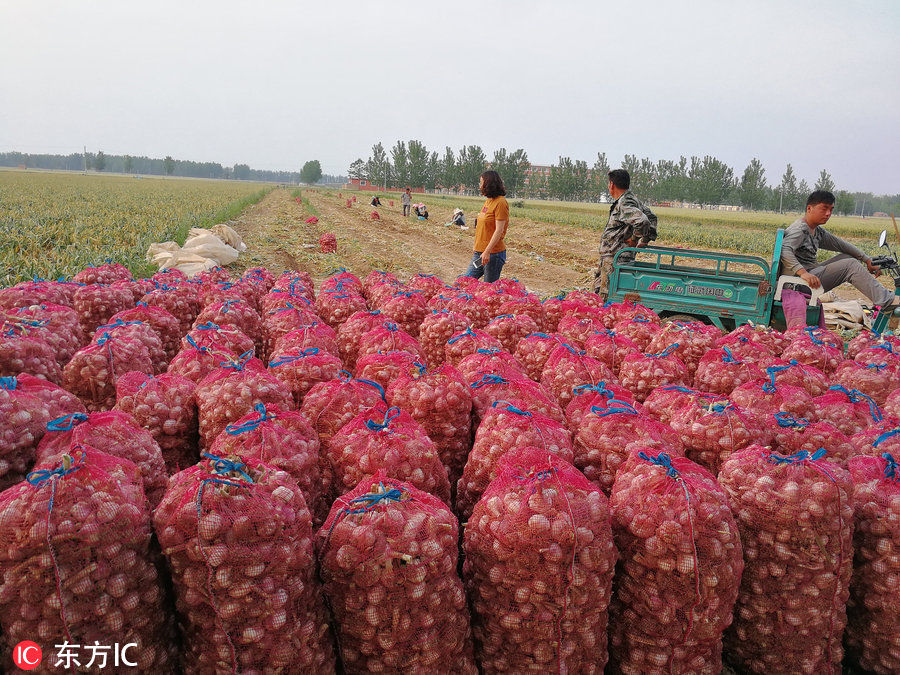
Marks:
<point>802,241</point>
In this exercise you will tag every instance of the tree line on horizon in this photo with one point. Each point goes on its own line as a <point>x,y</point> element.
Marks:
<point>167,166</point>
<point>698,180</point>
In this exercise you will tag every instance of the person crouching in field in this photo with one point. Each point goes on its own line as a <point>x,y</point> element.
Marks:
<point>491,224</point>
<point>630,224</point>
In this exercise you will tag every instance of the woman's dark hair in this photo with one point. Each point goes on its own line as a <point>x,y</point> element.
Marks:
<point>493,185</point>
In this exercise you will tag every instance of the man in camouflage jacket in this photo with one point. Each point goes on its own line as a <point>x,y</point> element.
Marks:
<point>630,224</point>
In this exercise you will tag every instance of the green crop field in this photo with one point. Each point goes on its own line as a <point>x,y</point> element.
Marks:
<point>55,224</point>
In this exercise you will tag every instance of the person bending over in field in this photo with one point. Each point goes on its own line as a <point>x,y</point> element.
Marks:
<point>489,254</point>
<point>630,224</point>
<point>376,201</point>
<point>802,241</point>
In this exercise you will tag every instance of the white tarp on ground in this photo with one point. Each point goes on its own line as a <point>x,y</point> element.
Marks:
<point>845,314</point>
<point>203,250</point>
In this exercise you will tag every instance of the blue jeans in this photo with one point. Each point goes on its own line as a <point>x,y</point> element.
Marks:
<point>491,271</point>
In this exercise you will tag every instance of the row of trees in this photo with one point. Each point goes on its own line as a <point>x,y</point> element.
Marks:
<point>168,166</point>
<point>700,180</point>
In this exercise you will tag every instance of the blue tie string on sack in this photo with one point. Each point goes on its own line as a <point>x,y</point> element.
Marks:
<point>66,466</point>
<point>8,383</point>
<point>615,406</point>
<point>640,318</point>
<point>488,379</point>
<point>787,421</point>
<point>373,499</point>
<point>253,424</point>
<point>885,436</point>
<point>194,344</point>
<point>796,458</point>
<point>511,408</point>
<point>67,422</point>
<point>242,361</point>
<point>729,357</point>
<point>371,383</point>
<point>663,460</point>
<point>488,350</point>
<point>877,367</point>
<point>389,415</point>
<point>456,338</point>
<point>209,325</point>
<point>540,335</point>
<point>598,388</point>
<point>572,349</point>
<point>502,316</point>
<point>221,465</point>
<point>311,351</point>
<point>678,387</point>
<point>856,396</point>
<point>226,306</point>
<point>809,330</point>
<point>890,467</point>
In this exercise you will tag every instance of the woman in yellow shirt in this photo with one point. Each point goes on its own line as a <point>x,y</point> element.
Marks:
<point>490,227</point>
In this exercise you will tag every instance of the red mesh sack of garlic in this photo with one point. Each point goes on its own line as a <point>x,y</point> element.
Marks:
<point>578,327</point>
<point>182,302</point>
<point>216,337</point>
<point>468,342</point>
<point>96,304</point>
<point>877,439</point>
<point>284,319</point>
<point>282,439</point>
<point>567,368</point>
<point>165,407</point>
<point>610,348</point>
<point>219,291</point>
<point>260,276</point>
<point>712,430</point>
<point>506,427</point>
<point>335,306</point>
<point>385,367</point>
<point>484,361</point>
<point>693,338</point>
<point>138,332</point>
<point>766,338</point>
<point>78,564</point>
<point>342,279</point>
<point>663,402</point>
<point>376,279</point>
<point>351,331</point>
<point>238,538</point>
<point>30,293</point>
<point>892,404</point>
<point>238,314</point>
<point>866,339</point>
<point>166,326</point>
<point>107,273</point>
<point>533,350</point>
<point>388,440</point>
<point>609,431</point>
<point>642,373</point>
<point>680,567</point>
<point>874,610</point>
<point>440,401</point>
<point>492,295</point>
<point>539,562</point>
<point>795,516</point>
<point>509,329</point>
<point>231,391</point>
<point>388,556</point>
<point>743,348</point>
<point>92,373</point>
<point>525,306</point>
<point>386,338</point>
<point>468,284</point>
<point>54,398</point>
<point>23,351</point>
<point>641,330</point>
<point>822,334</point>
<point>721,372</point>
<point>799,374</point>
<point>316,334</point>
<point>23,421</point>
<point>790,435</point>
<point>330,405</point>
<point>849,410</point>
<point>169,276</point>
<point>876,380</point>
<point>213,275</point>
<point>381,292</point>
<point>427,284</point>
<point>765,398</point>
<point>301,369</point>
<point>512,287</point>
<point>553,311</point>
<point>294,279</point>
<point>137,288</point>
<point>57,325</point>
<point>406,309</point>
<point>586,396</point>
<point>296,295</point>
<point>508,385</point>
<point>196,362</point>
<point>118,434</point>
<point>812,347</point>
<point>470,307</point>
<point>884,353</point>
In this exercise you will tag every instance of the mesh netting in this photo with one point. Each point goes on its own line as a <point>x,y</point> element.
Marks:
<point>642,373</point>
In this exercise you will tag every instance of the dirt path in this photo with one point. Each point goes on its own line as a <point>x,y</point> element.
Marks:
<point>278,237</point>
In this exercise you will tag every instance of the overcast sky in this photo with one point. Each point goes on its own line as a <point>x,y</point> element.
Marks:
<point>273,84</point>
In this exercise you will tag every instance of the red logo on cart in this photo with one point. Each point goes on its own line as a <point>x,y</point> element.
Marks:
<point>27,655</point>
